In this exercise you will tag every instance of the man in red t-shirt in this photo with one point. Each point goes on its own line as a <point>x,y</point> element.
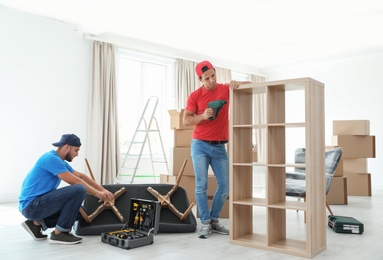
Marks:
<point>208,143</point>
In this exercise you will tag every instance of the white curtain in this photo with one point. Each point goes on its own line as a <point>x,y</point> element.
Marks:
<point>187,80</point>
<point>103,141</point>
<point>259,115</point>
<point>223,75</point>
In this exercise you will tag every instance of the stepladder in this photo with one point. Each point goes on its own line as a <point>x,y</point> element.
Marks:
<point>145,145</point>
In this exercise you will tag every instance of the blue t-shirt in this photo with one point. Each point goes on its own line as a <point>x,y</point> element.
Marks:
<point>42,178</point>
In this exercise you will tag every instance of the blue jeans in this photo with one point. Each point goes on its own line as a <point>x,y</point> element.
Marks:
<point>57,209</point>
<point>203,155</point>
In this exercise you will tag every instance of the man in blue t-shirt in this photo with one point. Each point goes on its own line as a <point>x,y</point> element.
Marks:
<point>44,205</point>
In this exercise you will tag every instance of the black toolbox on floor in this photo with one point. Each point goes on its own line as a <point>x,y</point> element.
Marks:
<point>142,225</point>
<point>343,224</point>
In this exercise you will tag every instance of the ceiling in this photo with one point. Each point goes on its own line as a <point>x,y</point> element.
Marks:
<point>255,33</point>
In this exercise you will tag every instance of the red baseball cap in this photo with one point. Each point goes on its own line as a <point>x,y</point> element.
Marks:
<point>202,67</point>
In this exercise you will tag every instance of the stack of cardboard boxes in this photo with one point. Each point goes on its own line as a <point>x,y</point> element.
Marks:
<point>180,152</point>
<point>358,145</point>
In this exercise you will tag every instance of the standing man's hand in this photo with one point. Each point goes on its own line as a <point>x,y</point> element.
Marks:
<point>209,112</point>
<point>234,84</point>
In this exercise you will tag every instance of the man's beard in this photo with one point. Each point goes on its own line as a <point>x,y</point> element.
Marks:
<point>68,158</point>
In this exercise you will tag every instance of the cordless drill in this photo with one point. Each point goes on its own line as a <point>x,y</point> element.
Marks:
<point>216,105</point>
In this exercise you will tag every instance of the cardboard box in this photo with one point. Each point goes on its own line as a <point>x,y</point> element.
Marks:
<point>168,179</point>
<point>176,119</point>
<point>355,146</point>
<point>179,154</point>
<point>255,156</point>
<point>358,184</point>
<point>339,169</point>
<point>351,127</point>
<point>337,194</point>
<point>355,165</point>
<point>182,138</point>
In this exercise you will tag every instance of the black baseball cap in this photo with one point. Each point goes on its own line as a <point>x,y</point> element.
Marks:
<point>70,139</point>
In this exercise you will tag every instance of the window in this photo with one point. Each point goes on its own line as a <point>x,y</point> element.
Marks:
<point>238,76</point>
<point>141,77</point>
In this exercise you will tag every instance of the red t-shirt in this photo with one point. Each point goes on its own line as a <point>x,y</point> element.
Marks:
<point>212,130</point>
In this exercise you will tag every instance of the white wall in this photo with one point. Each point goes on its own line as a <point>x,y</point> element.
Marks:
<point>353,90</point>
<point>45,75</point>
<point>45,72</point>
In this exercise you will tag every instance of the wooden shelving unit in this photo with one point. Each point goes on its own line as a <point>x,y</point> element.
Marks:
<point>258,219</point>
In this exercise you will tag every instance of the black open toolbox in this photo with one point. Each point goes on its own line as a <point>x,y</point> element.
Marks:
<point>142,225</point>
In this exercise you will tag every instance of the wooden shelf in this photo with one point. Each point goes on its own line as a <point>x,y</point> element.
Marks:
<point>274,109</point>
<point>251,202</point>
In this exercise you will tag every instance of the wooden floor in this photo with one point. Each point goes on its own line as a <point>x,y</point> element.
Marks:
<point>16,243</point>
